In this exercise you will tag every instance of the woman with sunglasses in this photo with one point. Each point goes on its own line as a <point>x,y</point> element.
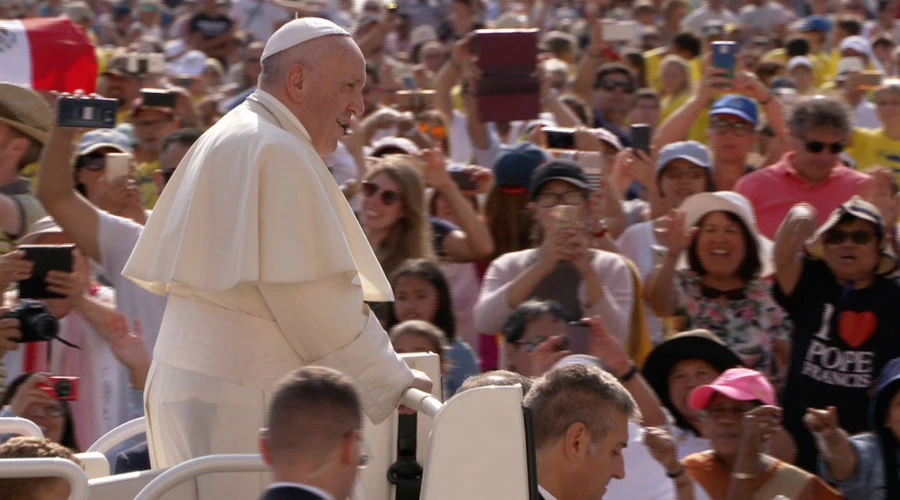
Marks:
<point>844,307</point>
<point>711,274</point>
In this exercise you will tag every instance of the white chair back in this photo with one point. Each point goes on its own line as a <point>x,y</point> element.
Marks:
<point>94,464</point>
<point>187,471</point>
<point>20,426</point>
<point>119,435</point>
<point>48,467</point>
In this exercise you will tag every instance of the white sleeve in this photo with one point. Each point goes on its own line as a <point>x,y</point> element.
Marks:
<point>618,297</point>
<point>327,324</point>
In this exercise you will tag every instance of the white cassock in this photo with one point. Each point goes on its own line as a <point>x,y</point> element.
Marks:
<point>266,268</point>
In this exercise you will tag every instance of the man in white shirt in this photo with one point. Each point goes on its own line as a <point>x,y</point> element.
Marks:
<point>313,436</point>
<point>259,17</point>
<point>580,416</point>
<point>714,10</point>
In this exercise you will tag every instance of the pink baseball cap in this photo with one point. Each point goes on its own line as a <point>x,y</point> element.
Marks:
<point>741,384</point>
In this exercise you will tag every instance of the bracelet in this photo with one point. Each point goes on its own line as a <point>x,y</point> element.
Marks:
<point>742,475</point>
<point>676,475</point>
<point>629,374</point>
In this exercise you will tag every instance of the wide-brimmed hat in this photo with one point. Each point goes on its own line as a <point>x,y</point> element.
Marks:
<point>741,384</point>
<point>44,225</point>
<point>861,209</point>
<point>698,205</point>
<point>25,111</point>
<point>692,344</point>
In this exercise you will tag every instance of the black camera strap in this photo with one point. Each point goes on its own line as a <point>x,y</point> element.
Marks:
<point>66,342</point>
<point>406,473</point>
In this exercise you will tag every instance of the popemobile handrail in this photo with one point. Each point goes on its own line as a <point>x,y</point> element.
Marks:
<point>119,435</point>
<point>20,426</point>
<point>48,467</point>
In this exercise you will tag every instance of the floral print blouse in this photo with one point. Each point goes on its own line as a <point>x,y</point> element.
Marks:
<point>747,326</point>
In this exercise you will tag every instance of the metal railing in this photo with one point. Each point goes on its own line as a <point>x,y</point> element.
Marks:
<point>119,435</point>
<point>20,426</point>
<point>48,467</point>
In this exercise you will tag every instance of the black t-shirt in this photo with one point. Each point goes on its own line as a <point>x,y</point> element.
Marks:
<point>210,27</point>
<point>842,339</point>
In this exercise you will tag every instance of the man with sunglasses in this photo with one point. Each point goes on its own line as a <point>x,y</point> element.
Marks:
<point>612,99</point>
<point>812,171</point>
<point>844,308</point>
<point>313,436</point>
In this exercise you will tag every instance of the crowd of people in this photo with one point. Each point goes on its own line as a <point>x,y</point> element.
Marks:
<point>736,273</point>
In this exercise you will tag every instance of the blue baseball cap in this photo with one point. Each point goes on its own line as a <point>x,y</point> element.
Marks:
<point>815,23</point>
<point>737,105</point>
<point>691,151</point>
<point>103,138</point>
<point>515,165</point>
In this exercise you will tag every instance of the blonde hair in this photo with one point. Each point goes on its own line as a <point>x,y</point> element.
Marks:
<point>424,329</point>
<point>683,66</point>
<point>410,236</point>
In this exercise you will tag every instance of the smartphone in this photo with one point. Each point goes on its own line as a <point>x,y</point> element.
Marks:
<point>89,113</point>
<point>559,137</point>
<point>579,336</point>
<point>46,258</point>
<point>414,100</point>
<point>723,56</point>
<point>117,165</point>
<point>621,31</point>
<point>640,137</point>
<point>462,179</point>
<point>158,98</point>
<point>61,388</point>
<point>565,214</point>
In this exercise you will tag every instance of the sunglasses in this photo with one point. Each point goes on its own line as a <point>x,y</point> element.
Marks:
<point>388,197</point>
<point>715,293</point>
<point>819,146</point>
<point>609,85</point>
<point>547,200</point>
<point>439,132</point>
<point>693,173</point>
<point>739,128</point>
<point>838,236</point>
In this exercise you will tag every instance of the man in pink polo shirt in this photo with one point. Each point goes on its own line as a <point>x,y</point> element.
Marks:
<point>812,172</point>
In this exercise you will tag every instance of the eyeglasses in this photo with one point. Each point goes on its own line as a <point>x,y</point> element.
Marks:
<point>44,411</point>
<point>692,174</point>
<point>610,85</point>
<point>719,411</point>
<point>531,345</point>
<point>547,200</point>
<point>738,128</point>
<point>838,236</point>
<point>714,293</point>
<point>439,132</point>
<point>93,162</point>
<point>819,146</point>
<point>388,197</point>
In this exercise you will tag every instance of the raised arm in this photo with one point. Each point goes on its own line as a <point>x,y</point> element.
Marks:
<point>677,126</point>
<point>833,442</point>
<point>661,293</point>
<point>798,226</point>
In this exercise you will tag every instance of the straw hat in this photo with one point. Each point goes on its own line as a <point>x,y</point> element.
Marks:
<point>25,111</point>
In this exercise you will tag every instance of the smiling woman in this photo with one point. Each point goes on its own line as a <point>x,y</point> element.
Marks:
<point>710,278</point>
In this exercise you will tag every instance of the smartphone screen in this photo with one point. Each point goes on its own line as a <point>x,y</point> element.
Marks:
<point>117,165</point>
<point>724,56</point>
<point>46,258</point>
<point>640,137</point>
<point>579,337</point>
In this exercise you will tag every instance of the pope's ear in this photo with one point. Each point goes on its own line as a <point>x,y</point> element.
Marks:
<point>297,77</point>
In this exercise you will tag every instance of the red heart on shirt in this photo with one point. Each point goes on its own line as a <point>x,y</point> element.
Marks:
<point>856,327</point>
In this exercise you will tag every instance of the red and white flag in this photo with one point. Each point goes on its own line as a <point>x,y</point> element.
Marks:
<point>47,54</point>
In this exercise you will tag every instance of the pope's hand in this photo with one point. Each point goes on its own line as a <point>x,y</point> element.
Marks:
<point>421,382</point>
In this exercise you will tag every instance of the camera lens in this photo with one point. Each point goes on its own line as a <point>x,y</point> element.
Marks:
<point>62,388</point>
<point>45,326</point>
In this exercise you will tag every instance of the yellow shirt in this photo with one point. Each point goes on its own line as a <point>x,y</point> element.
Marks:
<point>698,130</point>
<point>147,184</point>
<point>870,148</point>
<point>824,65</point>
<point>652,60</point>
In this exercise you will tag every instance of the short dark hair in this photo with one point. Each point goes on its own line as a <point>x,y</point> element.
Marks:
<point>796,47</point>
<point>613,68</point>
<point>30,447</point>
<point>850,24</point>
<point>576,393</point>
<point>515,324</point>
<point>750,266</point>
<point>819,111</point>
<point>311,410</point>
<point>184,136</point>
<point>688,42</point>
<point>502,378</point>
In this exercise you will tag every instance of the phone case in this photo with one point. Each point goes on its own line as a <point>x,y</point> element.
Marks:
<point>724,56</point>
<point>508,89</point>
<point>90,113</point>
<point>117,165</point>
<point>640,137</point>
<point>46,258</point>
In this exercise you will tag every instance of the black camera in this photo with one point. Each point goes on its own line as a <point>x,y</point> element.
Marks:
<point>93,113</point>
<point>35,321</point>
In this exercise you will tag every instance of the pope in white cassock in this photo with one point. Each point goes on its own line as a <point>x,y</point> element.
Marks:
<point>264,262</point>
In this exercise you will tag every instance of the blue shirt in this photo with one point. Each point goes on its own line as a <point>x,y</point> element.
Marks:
<point>867,481</point>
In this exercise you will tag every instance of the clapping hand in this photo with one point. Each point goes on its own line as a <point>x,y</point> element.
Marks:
<point>800,224</point>
<point>662,448</point>
<point>676,237</point>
